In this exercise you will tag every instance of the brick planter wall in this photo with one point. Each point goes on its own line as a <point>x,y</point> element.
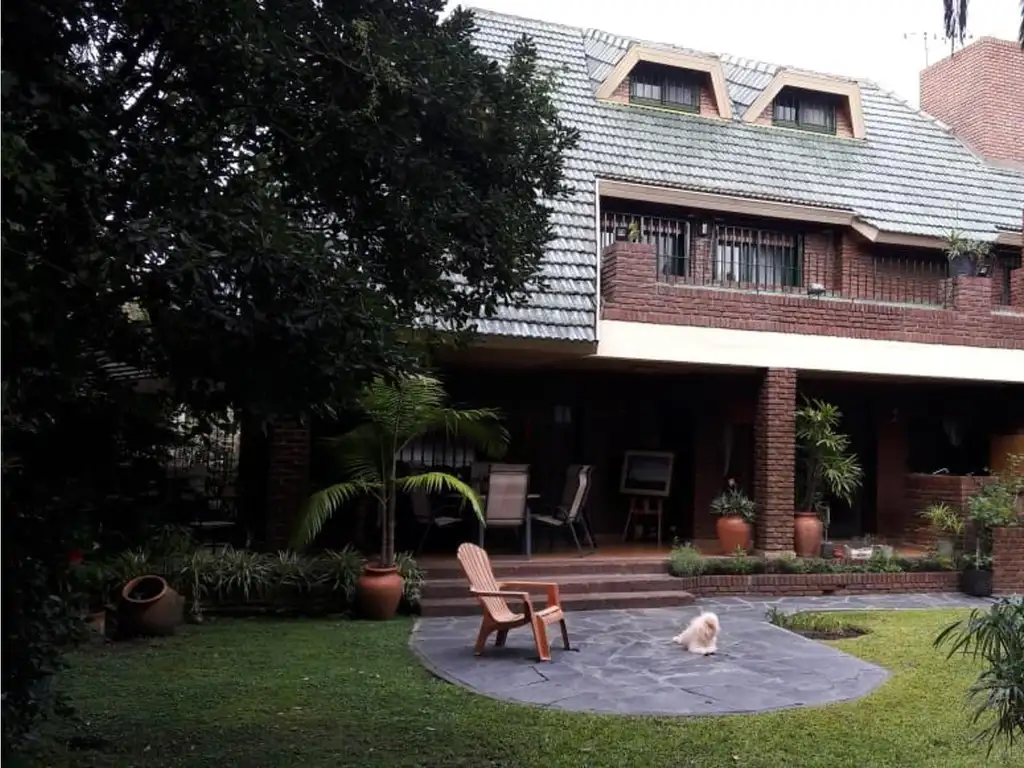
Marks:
<point>1008,561</point>
<point>807,584</point>
<point>921,491</point>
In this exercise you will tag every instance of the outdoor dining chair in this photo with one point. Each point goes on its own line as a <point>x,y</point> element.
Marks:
<point>505,504</point>
<point>569,513</point>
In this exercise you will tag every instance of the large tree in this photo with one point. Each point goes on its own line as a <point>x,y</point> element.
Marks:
<point>255,200</point>
<point>955,20</point>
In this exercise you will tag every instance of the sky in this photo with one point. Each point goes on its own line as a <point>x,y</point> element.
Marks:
<point>887,41</point>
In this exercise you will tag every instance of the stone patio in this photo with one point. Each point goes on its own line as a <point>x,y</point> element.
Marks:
<point>624,662</point>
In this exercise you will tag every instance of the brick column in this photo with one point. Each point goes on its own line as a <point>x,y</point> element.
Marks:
<point>1008,561</point>
<point>1017,288</point>
<point>774,459</point>
<point>970,295</point>
<point>628,270</point>
<point>287,479</point>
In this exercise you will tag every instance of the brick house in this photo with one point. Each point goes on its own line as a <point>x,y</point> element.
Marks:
<point>739,235</point>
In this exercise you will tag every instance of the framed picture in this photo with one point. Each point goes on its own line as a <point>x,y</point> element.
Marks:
<point>646,473</point>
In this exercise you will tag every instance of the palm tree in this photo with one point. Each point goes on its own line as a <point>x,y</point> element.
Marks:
<point>996,637</point>
<point>956,20</point>
<point>396,412</point>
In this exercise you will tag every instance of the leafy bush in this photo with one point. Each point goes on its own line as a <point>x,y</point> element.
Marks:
<point>685,560</point>
<point>239,578</point>
<point>994,505</point>
<point>944,519</point>
<point>996,636</point>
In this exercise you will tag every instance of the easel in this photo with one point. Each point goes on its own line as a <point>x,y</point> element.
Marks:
<point>642,507</point>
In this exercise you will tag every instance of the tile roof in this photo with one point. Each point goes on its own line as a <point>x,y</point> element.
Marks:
<point>909,175</point>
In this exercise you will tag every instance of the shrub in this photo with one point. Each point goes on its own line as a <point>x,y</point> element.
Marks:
<point>996,636</point>
<point>812,623</point>
<point>685,560</point>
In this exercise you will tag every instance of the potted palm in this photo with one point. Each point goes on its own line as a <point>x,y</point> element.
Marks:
<point>735,512</point>
<point>825,465</point>
<point>991,507</point>
<point>395,413</point>
<point>948,524</point>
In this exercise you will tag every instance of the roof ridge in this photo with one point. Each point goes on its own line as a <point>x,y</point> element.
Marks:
<point>503,15</point>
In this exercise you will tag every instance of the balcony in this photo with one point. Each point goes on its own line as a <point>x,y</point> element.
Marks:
<point>782,262</point>
<point>675,271</point>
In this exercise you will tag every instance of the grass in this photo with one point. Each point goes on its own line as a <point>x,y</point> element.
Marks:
<point>336,693</point>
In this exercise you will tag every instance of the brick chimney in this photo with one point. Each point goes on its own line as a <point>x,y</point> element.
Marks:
<point>979,93</point>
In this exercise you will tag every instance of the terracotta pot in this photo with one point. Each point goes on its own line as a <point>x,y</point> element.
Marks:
<point>807,530</point>
<point>148,606</point>
<point>378,593</point>
<point>733,531</point>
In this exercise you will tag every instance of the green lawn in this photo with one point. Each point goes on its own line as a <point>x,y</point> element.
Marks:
<point>338,693</point>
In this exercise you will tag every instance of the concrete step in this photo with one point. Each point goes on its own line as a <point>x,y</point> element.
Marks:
<point>584,601</point>
<point>542,569</point>
<point>569,585</point>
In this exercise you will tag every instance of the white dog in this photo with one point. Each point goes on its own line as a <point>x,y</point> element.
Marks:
<point>701,635</point>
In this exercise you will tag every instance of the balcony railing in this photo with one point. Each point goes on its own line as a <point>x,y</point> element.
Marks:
<point>768,261</point>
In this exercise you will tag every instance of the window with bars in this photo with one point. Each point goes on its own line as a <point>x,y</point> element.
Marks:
<point>805,110</point>
<point>757,257</point>
<point>664,87</point>
<point>670,238</point>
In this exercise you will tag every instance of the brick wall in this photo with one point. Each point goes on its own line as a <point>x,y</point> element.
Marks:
<point>922,491</point>
<point>287,480</point>
<point>631,291</point>
<point>1008,561</point>
<point>979,93</point>
<point>797,584</point>
<point>774,459</point>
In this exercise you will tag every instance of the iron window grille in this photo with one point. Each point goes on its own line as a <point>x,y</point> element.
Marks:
<point>757,257</point>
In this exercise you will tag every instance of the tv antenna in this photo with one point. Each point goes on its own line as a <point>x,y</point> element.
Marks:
<point>927,37</point>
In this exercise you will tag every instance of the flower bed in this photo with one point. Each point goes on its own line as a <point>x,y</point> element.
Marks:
<point>745,575</point>
<point>239,581</point>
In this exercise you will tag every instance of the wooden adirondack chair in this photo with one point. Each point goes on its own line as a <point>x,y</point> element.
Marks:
<point>498,617</point>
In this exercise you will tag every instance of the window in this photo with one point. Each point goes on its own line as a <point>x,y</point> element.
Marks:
<point>805,110</point>
<point>757,257</point>
<point>664,87</point>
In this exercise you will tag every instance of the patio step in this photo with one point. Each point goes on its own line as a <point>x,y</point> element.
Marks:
<point>540,569</point>
<point>582,601</point>
<point>443,589</point>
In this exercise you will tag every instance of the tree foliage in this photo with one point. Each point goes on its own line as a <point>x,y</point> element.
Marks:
<point>254,200</point>
<point>955,20</point>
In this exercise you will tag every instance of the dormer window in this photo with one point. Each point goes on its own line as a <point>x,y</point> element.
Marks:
<point>667,87</point>
<point>806,110</point>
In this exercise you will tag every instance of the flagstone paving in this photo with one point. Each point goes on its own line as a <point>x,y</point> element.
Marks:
<point>625,661</point>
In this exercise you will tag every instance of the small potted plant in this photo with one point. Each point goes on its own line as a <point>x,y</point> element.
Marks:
<point>735,512</point>
<point>967,257</point>
<point>949,527</point>
<point>989,508</point>
<point>825,464</point>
